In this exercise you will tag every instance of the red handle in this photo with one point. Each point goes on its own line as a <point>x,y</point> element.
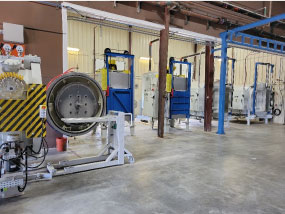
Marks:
<point>107,91</point>
<point>69,70</point>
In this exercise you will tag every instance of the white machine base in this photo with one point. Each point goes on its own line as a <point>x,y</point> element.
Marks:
<point>113,154</point>
<point>249,117</point>
<point>9,184</point>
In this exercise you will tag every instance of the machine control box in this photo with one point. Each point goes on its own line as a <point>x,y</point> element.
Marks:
<point>43,111</point>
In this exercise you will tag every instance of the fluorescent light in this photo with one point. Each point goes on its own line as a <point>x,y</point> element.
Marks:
<point>144,58</point>
<point>106,16</point>
<point>103,15</point>
<point>73,49</point>
<point>197,36</point>
<point>111,17</point>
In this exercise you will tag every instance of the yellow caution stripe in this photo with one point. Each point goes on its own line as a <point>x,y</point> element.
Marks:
<point>24,115</point>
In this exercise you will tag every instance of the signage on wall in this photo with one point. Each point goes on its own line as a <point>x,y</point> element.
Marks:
<point>12,49</point>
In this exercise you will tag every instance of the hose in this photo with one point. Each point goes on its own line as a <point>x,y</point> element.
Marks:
<point>43,145</point>
<point>276,112</point>
<point>21,189</point>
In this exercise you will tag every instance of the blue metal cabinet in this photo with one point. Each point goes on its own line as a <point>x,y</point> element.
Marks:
<point>180,100</point>
<point>120,99</point>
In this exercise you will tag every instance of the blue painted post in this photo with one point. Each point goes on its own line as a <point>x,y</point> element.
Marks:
<point>259,23</point>
<point>272,66</point>
<point>189,85</point>
<point>233,65</point>
<point>107,67</point>
<point>189,78</point>
<point>254,89</point>
<point>223,73</point>
<point>232,82</point>
<point>132,84</point>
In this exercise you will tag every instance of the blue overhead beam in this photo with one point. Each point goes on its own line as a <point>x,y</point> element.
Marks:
<point>254,43</point>
<point>259,23</point>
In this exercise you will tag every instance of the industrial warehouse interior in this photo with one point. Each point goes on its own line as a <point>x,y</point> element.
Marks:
<point>142,107</point>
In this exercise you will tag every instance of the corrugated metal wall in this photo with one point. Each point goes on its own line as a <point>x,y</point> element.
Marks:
<point>140,49</point>
<point>245,68</point>
<point>82,35</point>
<point>244,72</point>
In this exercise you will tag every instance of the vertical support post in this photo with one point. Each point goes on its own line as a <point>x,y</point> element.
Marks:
<point>254,89</point>
<point>64,39</point>
<point>189,89</point>
<point>130,46</point>
<point>195,61</point>
<point>94,52</point>
<point>132,80</point>
<point>223,74</point>
<point>163,53</point>
<point>232,87</point>
<point>107,67</point>
<point>107,92</point>
<point>120,136</point>
<point>132,85</point>
<point>209,83</point>
<point>131,69</point>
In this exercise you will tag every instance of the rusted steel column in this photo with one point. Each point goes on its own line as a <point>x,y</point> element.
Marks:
<point>163,53</point>
<point>209,84</point>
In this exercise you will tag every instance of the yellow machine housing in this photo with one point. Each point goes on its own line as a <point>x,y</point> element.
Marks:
<point>24,115</point>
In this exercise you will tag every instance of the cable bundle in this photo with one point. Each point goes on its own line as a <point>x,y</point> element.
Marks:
<point>25,154</point>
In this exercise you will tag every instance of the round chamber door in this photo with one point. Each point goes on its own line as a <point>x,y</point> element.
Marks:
<point>74,95</point>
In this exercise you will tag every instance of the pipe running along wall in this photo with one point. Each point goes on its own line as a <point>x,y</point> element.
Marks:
<point>150,53</point>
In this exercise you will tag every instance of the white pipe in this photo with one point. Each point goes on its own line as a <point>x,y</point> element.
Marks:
<point>64,39</point>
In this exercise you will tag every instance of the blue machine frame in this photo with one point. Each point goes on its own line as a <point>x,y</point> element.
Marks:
<point>255,82</point>
<point>120,99</point>
<point>180,100</point>
<point>229,37</point>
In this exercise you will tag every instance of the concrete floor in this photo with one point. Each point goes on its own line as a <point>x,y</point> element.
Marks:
<point>186,172</point>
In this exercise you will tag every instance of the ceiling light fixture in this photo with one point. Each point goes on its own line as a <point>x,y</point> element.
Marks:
<point>73,49</point>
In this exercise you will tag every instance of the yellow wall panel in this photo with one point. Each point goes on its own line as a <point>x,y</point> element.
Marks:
<point>82,35</point>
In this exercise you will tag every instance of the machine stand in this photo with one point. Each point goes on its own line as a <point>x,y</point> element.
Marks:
<point>9,185</point>
<point>187,125</point>
<point>172,123</point>
<point>132,130</point>
<point>248,121</point>
<point>112,154</point>
<point>103,131</point>
<point>166,125</point>
<point>266,120</point>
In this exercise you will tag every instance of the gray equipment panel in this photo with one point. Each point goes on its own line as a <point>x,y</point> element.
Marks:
<point>180,83</point>
<point>119,80</point>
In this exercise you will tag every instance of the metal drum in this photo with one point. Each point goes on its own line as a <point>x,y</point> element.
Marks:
<point>74,95</point>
